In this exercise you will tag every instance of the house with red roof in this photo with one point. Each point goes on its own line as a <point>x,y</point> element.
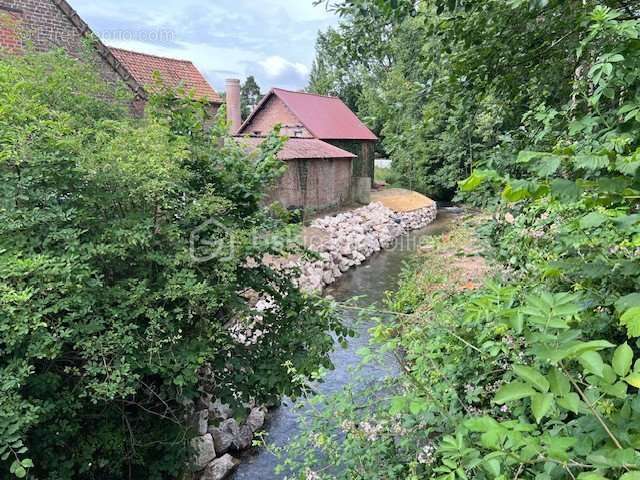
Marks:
<point>50,24</point>
<point>179,75</point>
<point>329,154</point>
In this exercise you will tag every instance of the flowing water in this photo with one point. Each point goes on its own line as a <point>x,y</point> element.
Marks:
<point>370,281</point>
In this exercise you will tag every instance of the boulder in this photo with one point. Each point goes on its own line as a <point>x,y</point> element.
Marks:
<point>203,452</point>
<point>200,422</point>
<point>256,418</point>
<point>224,435</point>
<point>243,439</point>
<point>220,468</point>
<point>219,410</point>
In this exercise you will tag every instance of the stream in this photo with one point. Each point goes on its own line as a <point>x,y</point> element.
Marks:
<point>370,281</point>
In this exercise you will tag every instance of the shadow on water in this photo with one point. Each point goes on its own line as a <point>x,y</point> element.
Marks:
<point>369,281</point>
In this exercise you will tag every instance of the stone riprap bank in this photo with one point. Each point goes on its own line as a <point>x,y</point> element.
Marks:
<point>348,239</point>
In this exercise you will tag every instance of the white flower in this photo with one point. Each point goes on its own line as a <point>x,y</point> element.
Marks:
<point>426,455</point>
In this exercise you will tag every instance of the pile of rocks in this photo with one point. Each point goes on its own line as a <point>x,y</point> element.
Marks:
<point>348,239</point>
<point>218,434</point>
<point>341,241</point>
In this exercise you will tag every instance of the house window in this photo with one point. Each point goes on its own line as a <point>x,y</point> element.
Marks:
<point>298,133</point>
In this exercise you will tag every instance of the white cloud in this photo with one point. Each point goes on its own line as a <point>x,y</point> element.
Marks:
<point>271,39</point>
<point>275,66</point>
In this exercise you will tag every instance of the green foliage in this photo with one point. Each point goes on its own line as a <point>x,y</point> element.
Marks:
<point>536,374</point>
<point>111,320</point>
<point>250,96</point>
<point>451,86</point>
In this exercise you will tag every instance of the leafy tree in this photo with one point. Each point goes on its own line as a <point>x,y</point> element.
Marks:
<point>446,84</point>
<point>535,375</point>
<point>114,317</point>
<point>250,96</point>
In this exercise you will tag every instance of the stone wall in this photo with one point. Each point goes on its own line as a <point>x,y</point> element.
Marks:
<point>346,240</point>
<point>314,184</point>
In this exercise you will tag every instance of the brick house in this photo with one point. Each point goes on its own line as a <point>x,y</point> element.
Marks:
<point>173,72</point>
<point>49,24</point>
<point>336,164</point>
<point>318,175</point>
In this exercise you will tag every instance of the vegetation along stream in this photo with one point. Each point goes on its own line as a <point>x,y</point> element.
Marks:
<point>369,283</point>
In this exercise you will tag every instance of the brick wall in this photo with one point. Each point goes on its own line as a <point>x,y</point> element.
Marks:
<point>314,184</point>
<point>273,112</point>
<point>45,27</point>
<point>10,25</point>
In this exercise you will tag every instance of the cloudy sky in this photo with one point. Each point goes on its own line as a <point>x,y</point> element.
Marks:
<point>271,39</point>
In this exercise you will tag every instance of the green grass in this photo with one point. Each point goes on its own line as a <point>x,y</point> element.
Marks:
<point>383,175</point>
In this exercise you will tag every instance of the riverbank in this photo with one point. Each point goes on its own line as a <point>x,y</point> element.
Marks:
<point>368,283</point>
<point>385,431</point>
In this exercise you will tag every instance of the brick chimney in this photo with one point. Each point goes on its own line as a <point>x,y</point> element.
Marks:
<point>233,104</point>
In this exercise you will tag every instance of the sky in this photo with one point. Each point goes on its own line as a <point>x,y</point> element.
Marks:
<point>273,40</point>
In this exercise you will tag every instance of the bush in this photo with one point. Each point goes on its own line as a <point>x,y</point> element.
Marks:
<point>536,374</point>
<point>110,325</point>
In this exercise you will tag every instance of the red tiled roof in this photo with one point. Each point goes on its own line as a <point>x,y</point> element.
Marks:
<point>174,73</point>
<point>299,148</point>
<point>327,118</point>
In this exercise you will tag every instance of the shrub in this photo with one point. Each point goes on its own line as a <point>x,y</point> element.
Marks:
<point>110,327</point>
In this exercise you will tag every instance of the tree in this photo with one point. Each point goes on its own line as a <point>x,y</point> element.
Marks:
<point>250,96</point>
<point>114,317</point>
<point>446,84</point>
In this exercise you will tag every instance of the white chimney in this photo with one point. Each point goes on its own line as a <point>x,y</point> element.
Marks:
<point>233,104</point>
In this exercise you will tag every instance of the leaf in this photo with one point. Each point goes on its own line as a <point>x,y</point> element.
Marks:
<point>513,391</point>
<point>592,220</point>
<point>565,190</point>
<point>492,467</point>
<point>622,359</point>
<point>591,162</point>
<point>558,382</point>
<point>628,301</point>
<point>592,361</point>
<point>570,401</point>
<point>630,476</point>
<point>631,320</point>
<point>532,376</point>
<point>418,406</point>
<point>633,380</point>
<point>548,167</point>
<point>398,405</point>
<point>516,190</point>
<point>591,476</point>
<point>481,424</point>
<point>541,403</point>
<point>476,179</point>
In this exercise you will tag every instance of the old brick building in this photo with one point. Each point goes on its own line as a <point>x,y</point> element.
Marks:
<point>174,73</point>
<point>336,164</point>
<point>48,24</point>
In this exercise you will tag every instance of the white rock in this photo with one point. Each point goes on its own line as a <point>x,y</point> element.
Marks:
<point>203,452</point>
<point>220,468</point>
<point>256,418</point>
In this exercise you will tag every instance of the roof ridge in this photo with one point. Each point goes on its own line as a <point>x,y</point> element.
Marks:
<point>103,50</point>
<point>151,55</point>
<point>307,93</point>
